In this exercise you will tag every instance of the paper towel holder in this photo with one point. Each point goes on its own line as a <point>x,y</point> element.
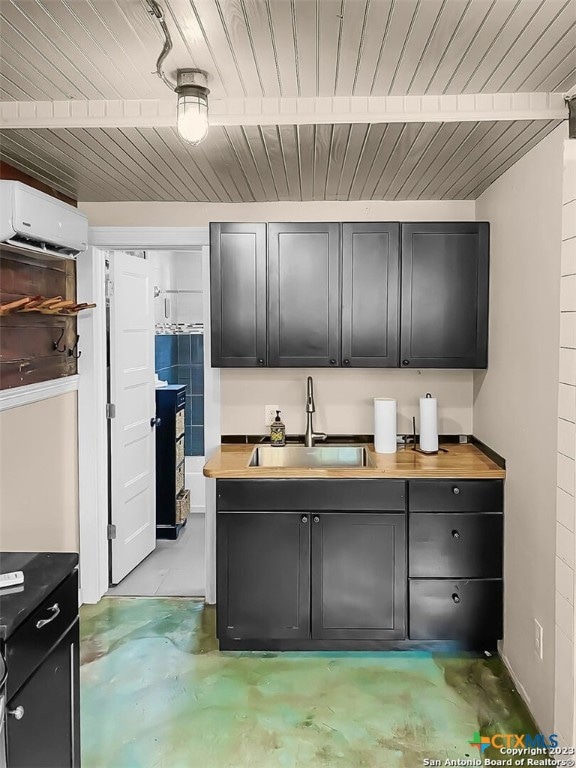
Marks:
<point>416,447</point>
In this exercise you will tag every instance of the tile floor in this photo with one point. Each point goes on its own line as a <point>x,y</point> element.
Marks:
<point>156,693</point>
<point>174,569</point>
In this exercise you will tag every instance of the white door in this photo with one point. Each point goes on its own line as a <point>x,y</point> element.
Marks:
<point>132,436</point>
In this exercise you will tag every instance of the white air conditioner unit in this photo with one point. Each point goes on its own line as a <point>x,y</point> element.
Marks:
<point>33,220</point>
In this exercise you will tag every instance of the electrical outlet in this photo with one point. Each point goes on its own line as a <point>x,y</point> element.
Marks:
<point>270,413</point>
<point>538,639</point>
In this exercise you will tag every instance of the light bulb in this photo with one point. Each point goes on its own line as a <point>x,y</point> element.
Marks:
<point>192,117</point>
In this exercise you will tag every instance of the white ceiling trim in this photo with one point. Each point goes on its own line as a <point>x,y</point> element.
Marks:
<point>158,113</point>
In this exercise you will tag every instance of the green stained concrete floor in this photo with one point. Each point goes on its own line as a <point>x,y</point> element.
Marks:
<point>156,693</point>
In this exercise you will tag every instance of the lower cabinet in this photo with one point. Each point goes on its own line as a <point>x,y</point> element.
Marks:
<point>358,576</point>
<point>359,564</point>
<point>46,735</point>
<point>263,575</point>
<point>325,576</point>
<point>42,687</point>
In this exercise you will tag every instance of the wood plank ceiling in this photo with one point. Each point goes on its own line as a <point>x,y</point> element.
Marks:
<point>90,49</point>
<point>396,161</point>
<point>106,49</point>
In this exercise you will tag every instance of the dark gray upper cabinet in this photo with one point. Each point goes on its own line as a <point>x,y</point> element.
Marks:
<point>444,316</point>
<point>370,294</point>
<point>303,294</point>
<point>238,294</point>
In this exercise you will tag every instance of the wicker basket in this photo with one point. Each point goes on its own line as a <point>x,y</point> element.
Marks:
<point>182,506</point>
<point>179,451</point>
<point>179,479</point>
<point>179,423</point>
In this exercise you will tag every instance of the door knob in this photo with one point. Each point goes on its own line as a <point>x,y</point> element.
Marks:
<point>456,490</point>
<point>405,362</point>
<point>346,362</point>
<point>304,519</point>
<point>260,361</point>
<point>332,362</point>
<point>316,519</point>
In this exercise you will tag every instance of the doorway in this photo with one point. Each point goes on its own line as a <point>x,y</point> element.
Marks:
<point>176,565</point>
<point>200,525</point>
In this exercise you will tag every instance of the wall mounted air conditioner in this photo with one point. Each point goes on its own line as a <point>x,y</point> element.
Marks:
<point>33,220</point>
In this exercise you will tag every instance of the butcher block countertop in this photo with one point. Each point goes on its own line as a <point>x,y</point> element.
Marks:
<point>460,461</point>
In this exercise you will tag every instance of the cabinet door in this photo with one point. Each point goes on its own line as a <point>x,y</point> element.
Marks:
<point>444,318</point>
<point>238,294</point>
<point>48,733</point>
<point>263,574</point>
<point>358,576</point>
<point>303,294</point>
<point>370,295</point>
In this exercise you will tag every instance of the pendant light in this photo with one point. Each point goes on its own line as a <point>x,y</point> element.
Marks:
<point>191,87</point>
<point>192,119</point>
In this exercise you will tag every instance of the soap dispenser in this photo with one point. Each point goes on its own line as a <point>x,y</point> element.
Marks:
<point>277,431</point>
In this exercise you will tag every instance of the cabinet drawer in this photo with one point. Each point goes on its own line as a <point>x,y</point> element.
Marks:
<point>455,545</point>
<point>455,496</point>
<point>449,609</point>
<point>310,495</point>
<point>32,642</point>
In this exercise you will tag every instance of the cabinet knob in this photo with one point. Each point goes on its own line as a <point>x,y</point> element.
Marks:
<point>405,362</point>
<point>332,362</point>
<point>17,713</point>
<point>316,519</point>
<point>155,422</point>
<point>260,361</point>
<point>456,490</point>
<point>455,534</point>
<point>304,519</point>
<point>456,598</point>
<point>346,362</point>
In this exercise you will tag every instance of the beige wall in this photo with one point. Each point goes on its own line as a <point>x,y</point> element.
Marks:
<point>515,400</point>
<point>343,398</point>
<point>201,214</point>
<point>39,476</point>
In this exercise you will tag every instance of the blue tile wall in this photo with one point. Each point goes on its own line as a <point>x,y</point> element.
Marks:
<point>180,360</point>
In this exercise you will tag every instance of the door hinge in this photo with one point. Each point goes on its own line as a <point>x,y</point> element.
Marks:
<point>111,531</point>
<point>110,411</point>
<point>109,288</point>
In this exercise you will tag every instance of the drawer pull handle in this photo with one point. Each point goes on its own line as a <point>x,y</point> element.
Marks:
<point>456,598</point>
<point>455,534</point>
<point>17,713</point>
<point>304,519</point>
<point>54,610</point>
<point>316,519</point>
<point>456,490</point>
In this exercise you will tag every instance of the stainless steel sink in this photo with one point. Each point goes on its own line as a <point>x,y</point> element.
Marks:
<point>321,456</point>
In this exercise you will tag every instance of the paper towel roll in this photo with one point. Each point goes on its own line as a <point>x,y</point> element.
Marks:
<point>428,423</point>
<point>384,425</point>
